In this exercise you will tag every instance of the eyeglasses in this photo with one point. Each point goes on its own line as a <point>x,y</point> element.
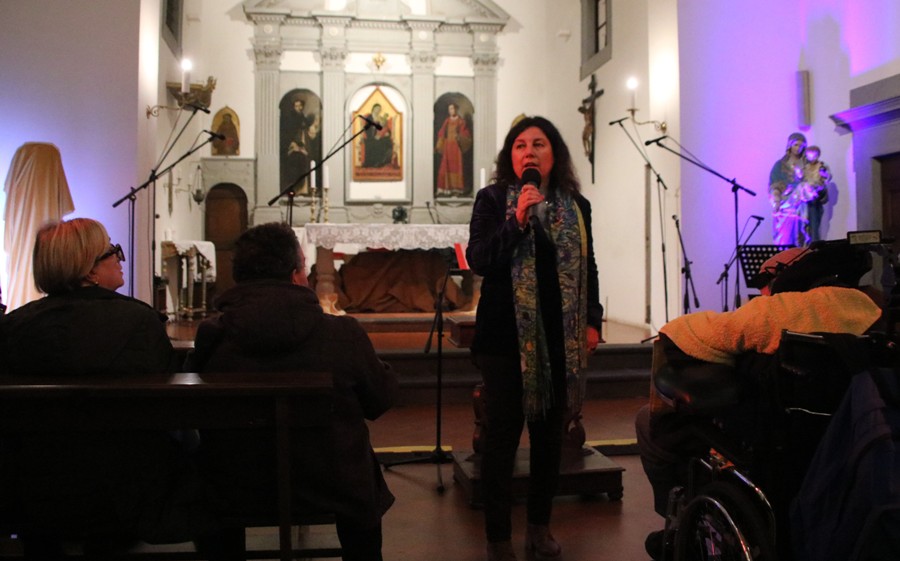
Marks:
<point>113,250</point>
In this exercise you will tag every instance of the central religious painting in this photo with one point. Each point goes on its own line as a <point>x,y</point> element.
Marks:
<point>378,151</point>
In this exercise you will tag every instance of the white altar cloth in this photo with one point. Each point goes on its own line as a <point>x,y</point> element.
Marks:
<point>387,236</point>
<point>327,238</point>
<point>204,248</point>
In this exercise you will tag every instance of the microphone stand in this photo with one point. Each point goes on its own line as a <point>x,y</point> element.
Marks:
<point>437,456</point>
<point>659,182</point>
<point>686,269</point>
<point>724,276</point>
<point>735,187</point>
<point>289,190</point>
<point>132,197</point>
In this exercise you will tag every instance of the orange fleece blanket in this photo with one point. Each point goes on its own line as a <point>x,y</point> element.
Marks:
<point>757,325</point>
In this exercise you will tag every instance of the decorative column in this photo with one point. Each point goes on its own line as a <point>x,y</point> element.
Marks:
<point>484,63</point>
<point>332,58</point>
<point>422,60</point>
<point>267,51</point>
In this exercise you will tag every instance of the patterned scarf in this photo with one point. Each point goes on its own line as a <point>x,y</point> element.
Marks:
<point>567,231</point>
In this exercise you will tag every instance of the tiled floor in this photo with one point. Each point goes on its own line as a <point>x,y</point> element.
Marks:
<point>427,525</point>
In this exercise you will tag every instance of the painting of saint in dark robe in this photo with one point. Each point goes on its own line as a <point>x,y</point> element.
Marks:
<point>378,152</point>
<point>453,146</point>
<point>300,145</point>
<point>227,124</point>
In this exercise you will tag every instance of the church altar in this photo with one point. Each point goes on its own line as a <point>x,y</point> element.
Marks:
<point>326,236</point>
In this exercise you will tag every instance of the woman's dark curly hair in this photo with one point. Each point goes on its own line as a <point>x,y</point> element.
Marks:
<point>266,252</point>
<point>562,176</point>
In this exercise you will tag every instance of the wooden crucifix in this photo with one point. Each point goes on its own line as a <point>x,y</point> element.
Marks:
<point>587,110</point>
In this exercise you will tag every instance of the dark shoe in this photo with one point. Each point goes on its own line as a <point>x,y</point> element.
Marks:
<point>540,543</point>
<point>500,551</point>
<point>656,546</point>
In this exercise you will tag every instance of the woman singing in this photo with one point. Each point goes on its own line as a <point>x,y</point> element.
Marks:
<point>538,318</point>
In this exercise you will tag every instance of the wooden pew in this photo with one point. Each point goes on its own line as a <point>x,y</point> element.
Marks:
<point>266,401</point>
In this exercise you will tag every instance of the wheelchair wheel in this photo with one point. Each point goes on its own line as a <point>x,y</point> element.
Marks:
<point>721,523</point>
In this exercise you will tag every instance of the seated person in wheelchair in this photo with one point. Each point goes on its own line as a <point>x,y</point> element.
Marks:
<point>803,290</point>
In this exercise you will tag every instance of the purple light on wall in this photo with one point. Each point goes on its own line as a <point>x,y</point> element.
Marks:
<point>867,50</point>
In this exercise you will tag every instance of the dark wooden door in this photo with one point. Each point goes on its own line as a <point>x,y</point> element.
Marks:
<point>890,195</point>
<point>226,220</point>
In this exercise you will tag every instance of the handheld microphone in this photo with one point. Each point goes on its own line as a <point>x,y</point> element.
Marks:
<point>215,135</point>
<point>616,122</point>
<point>760,218</point>
<point>370,122</point>
<point>196,107</point>
<point>532,176</point>
<point>656,140</point>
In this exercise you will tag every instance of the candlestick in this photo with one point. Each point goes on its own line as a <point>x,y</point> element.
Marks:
<point>325,203</point>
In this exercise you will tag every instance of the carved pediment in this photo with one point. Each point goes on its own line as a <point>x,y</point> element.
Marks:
<point>455,11</point>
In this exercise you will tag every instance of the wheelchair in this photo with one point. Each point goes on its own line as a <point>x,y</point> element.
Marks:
<point>759,423</point>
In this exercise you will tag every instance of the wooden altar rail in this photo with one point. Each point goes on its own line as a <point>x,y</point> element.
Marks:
<point>277,402</point>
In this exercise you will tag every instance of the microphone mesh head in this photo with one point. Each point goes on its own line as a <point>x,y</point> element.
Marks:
<point>532,176</point>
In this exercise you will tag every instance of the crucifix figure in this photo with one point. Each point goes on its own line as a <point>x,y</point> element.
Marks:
<point>587,110</point>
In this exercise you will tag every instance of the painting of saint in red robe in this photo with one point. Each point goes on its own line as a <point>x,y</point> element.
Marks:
<point>453,147</point>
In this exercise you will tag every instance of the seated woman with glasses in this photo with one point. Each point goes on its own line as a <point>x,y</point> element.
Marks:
<point>83,326</point>
<point>101,487</point>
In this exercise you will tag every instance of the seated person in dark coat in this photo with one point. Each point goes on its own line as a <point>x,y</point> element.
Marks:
<point>271,321</point>
<point>113,487</point>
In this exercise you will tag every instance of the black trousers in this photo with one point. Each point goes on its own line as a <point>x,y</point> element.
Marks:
<point>502,432</point>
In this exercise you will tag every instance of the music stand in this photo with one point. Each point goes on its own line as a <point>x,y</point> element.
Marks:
<point>752,258</point>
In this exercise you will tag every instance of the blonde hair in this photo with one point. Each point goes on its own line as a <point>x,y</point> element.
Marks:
<point>65,252</point>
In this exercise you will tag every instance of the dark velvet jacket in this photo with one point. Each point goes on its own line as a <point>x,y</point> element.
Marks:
<point>492,239</point>
<point>273,326</point>
<point>80,483</point>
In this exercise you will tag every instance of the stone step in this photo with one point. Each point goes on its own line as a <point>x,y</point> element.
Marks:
<point>613,371</point>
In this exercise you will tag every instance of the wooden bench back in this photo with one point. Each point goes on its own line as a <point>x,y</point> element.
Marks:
<point>277,402</point>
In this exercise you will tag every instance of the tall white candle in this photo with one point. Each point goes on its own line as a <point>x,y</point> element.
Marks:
<point>186,66</point>
<point>325,178</point>
<point>312,182</point>
<point>483,179</point>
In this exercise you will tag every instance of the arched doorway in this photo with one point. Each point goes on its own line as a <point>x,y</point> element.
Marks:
<point>226,220</point>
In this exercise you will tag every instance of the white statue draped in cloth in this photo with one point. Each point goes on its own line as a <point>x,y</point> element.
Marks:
<point>36,193</point>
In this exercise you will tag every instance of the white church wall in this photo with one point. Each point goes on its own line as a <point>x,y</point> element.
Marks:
<point>72,80</point>
<point>739,104</point>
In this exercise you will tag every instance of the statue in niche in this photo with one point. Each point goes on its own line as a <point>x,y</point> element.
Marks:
<point>300,139</point>
<point>378,152</point>
<point>453,145</point>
